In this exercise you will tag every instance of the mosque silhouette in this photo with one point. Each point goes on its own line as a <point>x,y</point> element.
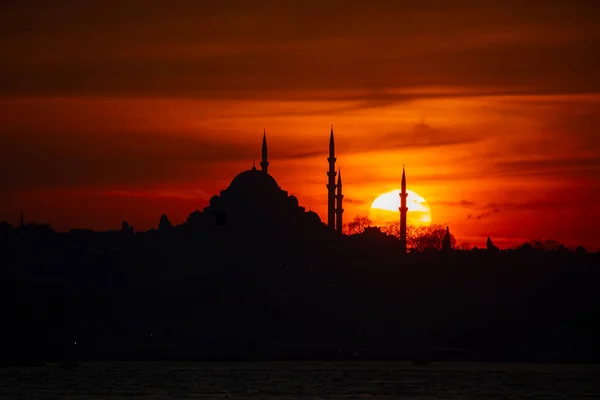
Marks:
<point>254,202</point>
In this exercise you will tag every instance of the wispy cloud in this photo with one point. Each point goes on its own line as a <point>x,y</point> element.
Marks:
<point>351,200</point>
<point>232,50</point>
<point>160,193</point>
<point>424,135</point>
<point>415,136</point>
<point>113,158</point>
<point>460,203</point>
<point>581,168</point>
<point>483,215</point>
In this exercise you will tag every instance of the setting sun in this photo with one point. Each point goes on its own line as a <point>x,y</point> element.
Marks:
<point>385,208</point>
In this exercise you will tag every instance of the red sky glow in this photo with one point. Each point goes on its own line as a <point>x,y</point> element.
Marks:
<point>111,113</point>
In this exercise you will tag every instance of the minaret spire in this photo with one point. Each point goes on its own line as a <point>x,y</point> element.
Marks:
<point>264,164</point>
<point>338,207</point>
<point>331,144</point>
<point>331,183</point>
<point>403,210</point>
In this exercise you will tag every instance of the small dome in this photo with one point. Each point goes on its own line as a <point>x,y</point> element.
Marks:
<point>194,216</point>
<point>214,201</point>
<point>293,200</point>
<point>314,216</point>
<point>252,180</point>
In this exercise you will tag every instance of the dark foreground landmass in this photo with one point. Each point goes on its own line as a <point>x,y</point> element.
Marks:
<point>120,296</point>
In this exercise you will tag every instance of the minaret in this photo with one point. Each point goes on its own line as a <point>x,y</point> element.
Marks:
<point>403,209</point>
<point>447,242</point>
<point>338,207</point>
<point>264,164</point>
<point>331,183</point>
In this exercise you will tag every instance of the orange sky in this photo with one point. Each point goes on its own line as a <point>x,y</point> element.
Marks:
<point>126,113</point>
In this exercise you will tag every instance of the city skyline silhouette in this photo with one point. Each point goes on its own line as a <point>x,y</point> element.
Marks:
<point>388,199</point>
<point>254,275</point>
<point>334,213</point>
<point>335,206</point>
<point>496,114</point>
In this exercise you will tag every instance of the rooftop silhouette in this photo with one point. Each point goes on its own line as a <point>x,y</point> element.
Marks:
<point>254,275</point>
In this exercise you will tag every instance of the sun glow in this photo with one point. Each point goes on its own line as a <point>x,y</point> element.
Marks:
<point>384,208</point>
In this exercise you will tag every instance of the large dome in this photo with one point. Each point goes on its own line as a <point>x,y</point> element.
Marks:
<point>253,180</point>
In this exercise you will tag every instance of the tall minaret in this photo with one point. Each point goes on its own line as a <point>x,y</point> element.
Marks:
<point>331,183</point>
<point>264,164</point>
<point>338,207</point>
<point>403,209</point>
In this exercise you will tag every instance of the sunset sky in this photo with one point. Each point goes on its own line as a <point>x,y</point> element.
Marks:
<point>125,110</point>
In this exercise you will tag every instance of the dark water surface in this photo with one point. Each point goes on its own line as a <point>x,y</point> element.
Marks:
<point>302,380</point>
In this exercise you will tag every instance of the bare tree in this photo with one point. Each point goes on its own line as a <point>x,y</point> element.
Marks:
<point>392,229</point>
<point>358,225</point>
<point>420,237</point>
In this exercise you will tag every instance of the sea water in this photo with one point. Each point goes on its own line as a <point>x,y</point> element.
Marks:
<point>302,380</point>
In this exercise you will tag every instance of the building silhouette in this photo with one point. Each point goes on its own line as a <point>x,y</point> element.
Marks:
<point>264,163</point>
<point>403,210</point>
<point>447,242</point>
<point>339,210</point>
<point>255,200</point>
<point>331,186</point>
<point>255,276</point>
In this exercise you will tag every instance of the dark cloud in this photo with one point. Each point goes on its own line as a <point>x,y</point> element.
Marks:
<point>417,136</point>
<point>568,169</point>
<point>371,99</point>
<point>529,205</point>
<point>72,160</point>
<point>483,215</point>
<point>559,168</point>
<point>105,157</point>
<point>461,203</point>
<point>490,209</point>
<point>423,135</point>
<point>350,200</point>
<point>186,194</point>
<point>559,202</point>
<point>578,125</point>
<point>296,49</point>
<point>299,154</point>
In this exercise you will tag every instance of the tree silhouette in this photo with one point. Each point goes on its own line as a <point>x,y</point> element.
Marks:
<point>393,228</point>
<point>164,224</point>
<point>525,247</point>
<point>548,245</point>
<point>420,237</point>
<point>490,245</point>
<point>358,225</point>
<point>581,250</point>
<point>126,228</point>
